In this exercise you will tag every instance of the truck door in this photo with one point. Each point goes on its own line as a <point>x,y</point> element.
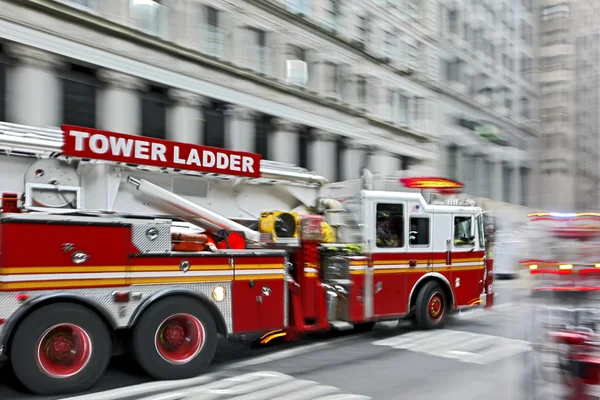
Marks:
<point>259,292</point>
<point>419,251</point>
<point>388,263</point>
<point>467,260</point>
<point>442,245</point>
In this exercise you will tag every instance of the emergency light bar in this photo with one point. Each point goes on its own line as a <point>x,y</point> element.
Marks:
<point>442,185</point>
<point>563,215</point>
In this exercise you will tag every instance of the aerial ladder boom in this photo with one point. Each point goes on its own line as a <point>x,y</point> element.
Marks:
<point>53,182</point>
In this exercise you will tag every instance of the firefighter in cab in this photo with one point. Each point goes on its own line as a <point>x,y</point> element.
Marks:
<point>385,235</point>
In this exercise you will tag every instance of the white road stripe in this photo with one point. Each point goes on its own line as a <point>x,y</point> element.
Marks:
<point>462,346</point>
<point>263,385</point>
<point>145,388</point>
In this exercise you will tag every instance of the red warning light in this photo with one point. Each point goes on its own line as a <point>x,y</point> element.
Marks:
<point>442,185</point>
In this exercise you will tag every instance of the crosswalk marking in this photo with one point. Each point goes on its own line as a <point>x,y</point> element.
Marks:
<point>462,346</point>
<point>264,385</point>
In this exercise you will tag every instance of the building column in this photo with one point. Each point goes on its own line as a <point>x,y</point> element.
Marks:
<point>497,183</point>
<point>516,184</point>
<point>423,168</point>
<point>378,99</point>
<point>240,128</point>
<point>317,78</point>
<point>353,159</point>
<point>284,142</point>
<point>280,55</point>
<point>185,119</point>
<point>424,114</point>
<point>234,46</point>
<point>479,175</point>
<point>322,154</point>
<point>119,103</point>
<point>34,87</point>
<point>379,162</point>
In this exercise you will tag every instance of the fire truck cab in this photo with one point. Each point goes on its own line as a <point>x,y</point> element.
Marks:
<point>110,239</point>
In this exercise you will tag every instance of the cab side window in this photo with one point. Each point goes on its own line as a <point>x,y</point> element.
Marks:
<point>419,231</point>
<point>389,229</point>
<point>463,231</point>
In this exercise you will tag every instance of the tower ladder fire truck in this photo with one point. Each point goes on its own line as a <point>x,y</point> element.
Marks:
<point>109,238</point>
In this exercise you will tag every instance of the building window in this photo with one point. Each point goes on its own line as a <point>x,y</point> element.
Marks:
<point>389,230</point>
<point>526,32</point>
<point>453,70</point>
<point>419,232</point>
<point>339,158</point>
<point>508,101</point>
<point>507,182</point>
<point>453,21</point>
<point>332,78</point>
<point>258,55</point>
<point>559,8</point>
<point>214,125</point>
<point>389,45</point>
<point>214,36</point>
<point>150,16</point>
<point>364,28</point>
<point>299,6</point>
<point>155,103</point>
<point>525,108</point>
<point>361,83</point>
<point>263,129</point>
<point>303,143</point>
<point>402,109</point>
<point>79,87</point>
<point>299,54</point>
<point>334,15</point>
<point>556,36</point>
<point>524,186</point>
<point>453,162</point>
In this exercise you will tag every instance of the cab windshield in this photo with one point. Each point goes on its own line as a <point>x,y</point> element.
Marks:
<point>480,231</point>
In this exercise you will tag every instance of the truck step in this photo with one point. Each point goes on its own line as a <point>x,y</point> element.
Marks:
<point>341,325</point>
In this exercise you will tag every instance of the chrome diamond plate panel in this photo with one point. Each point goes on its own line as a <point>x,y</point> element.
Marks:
<point>123,312</point>
<point>152,238</point>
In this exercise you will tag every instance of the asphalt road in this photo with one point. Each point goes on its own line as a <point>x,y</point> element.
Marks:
<point>480,354</point>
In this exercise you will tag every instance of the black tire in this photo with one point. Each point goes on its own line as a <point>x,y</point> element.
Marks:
<point>24,353</point>
<point>423,317</point>
<point>144,339</point>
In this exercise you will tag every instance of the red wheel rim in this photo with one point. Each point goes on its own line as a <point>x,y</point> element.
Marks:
<point>179,338</point>
<point>436,307</point>
<point>64,350</point>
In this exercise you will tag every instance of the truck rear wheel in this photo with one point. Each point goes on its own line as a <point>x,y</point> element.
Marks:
<point>175,338</point>
<point>60,348</point>
<point>432,306</point>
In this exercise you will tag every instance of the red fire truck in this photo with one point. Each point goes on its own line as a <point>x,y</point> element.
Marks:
<point>563,251</point>
<point>110,239</point>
